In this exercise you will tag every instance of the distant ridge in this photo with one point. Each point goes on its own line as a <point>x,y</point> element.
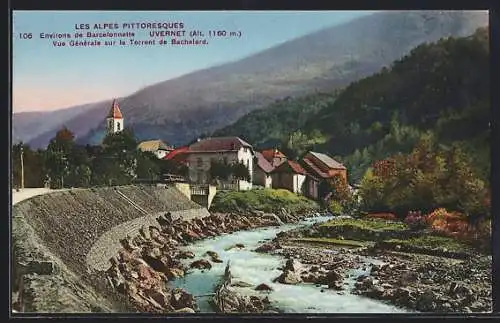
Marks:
<point>183,108</point>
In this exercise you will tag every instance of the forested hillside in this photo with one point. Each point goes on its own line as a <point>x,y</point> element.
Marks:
<point>441,87</point>
<point>267,127</point>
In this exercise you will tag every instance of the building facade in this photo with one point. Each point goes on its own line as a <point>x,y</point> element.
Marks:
<point>290,176</point>
<point>323,167</point>
<point>262,171</point>
<point>157,147</point>
<point>226,150</point>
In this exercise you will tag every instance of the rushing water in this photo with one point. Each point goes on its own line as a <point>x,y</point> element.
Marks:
<point>256,268</point>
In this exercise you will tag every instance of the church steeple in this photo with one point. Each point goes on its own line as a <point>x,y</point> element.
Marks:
<point>114,118</point>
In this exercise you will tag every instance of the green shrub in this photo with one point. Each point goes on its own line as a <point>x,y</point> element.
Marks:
<point>335,207</point>
<point>266,200</point>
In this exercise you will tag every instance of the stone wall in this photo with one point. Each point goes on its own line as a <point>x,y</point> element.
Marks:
<point>108,244</point>
<point>61,228</point>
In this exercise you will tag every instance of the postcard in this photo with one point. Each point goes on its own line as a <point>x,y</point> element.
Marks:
<point>250,162</point>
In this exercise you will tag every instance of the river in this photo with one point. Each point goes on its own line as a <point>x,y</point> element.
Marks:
<point>256,268</point>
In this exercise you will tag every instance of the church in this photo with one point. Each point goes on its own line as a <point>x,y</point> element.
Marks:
<point>114,119</point>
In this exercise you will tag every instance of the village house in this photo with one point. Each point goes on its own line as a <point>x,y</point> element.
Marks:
<point>157,147</point>
<point>290,176</point>
<point>323,167</point>
<point>274,157</point>
<point>178,155</point>
<point>262,171</point>
<point>227,150</point>
<point>312,187</point>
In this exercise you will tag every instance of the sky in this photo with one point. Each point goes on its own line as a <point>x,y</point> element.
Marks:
<point>46,77</point>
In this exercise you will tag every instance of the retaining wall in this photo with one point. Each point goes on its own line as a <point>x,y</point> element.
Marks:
<point>75,231</point>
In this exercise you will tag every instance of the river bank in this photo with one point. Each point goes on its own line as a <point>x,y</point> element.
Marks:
<point>148,262</point>
<point>422,278</point>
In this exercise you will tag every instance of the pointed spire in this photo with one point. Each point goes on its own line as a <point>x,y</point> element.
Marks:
<point>115,112</point>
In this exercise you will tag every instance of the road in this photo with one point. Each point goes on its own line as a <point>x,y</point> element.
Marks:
<point>26,193</point>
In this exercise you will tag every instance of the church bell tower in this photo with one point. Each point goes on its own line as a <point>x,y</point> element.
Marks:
<point>114,120</point>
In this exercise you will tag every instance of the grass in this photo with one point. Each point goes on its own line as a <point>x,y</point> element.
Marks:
<point>330,241</point>
<point>266,200</point>
<point>367,224</point>
<point>433,242</point>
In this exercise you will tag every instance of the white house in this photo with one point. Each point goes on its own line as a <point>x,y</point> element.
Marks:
<point>158,147</point>
<point>228,150</point>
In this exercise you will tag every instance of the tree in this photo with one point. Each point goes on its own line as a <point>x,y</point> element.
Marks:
<point>220,170</point>
<point>58,157</point>
<point>117,163</point>
<point>240,171</point>
<point>33,164</point>
<point>147,166</point>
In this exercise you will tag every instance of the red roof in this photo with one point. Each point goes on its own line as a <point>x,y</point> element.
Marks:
<point>263,163</point>
<point>270,154</point>
<point>219,144</point>
<point>327,160</point>
<point>314,168</point>
<point>115,112</point>
<point>290,165</point>
<point>179,153</point>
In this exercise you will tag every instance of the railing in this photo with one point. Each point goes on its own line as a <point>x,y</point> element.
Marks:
<point>227,187</point>
<point>199,189</point>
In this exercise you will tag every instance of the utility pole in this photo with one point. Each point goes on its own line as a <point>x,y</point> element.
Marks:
<point>22,167</point>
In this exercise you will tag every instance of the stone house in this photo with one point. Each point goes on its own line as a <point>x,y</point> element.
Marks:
<point>291,176</point>
<point>262,171</point>
<point>228,150</point>
<point>158,147</point>
<point>323,167</point>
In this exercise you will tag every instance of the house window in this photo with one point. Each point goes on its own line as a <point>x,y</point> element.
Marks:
<point>199,162</point>
<point>118,126</point>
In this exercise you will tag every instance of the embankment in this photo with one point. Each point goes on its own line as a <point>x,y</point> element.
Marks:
<point>61,240</point>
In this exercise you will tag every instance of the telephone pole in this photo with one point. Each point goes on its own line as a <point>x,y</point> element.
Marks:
<point>22,167</point>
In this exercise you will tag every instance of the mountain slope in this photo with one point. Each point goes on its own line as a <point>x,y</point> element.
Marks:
<point>441,87</point>
<point>180,109</point>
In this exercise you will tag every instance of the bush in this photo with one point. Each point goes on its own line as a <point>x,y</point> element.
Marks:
<point>415,221</point>
<point>335,207</point>
<point>446,223</point>
<point>267,200</point>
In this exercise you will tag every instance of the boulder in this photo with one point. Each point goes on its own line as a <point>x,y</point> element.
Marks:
<point>289,277</point>
<point>263,287</point>
<point>185,255</point>
<point>241,284</point>
<point>270,246</point>
<point>292,265</point>
<point>201,264</point>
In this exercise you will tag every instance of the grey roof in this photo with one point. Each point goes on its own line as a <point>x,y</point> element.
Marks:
<point>327,160</point>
